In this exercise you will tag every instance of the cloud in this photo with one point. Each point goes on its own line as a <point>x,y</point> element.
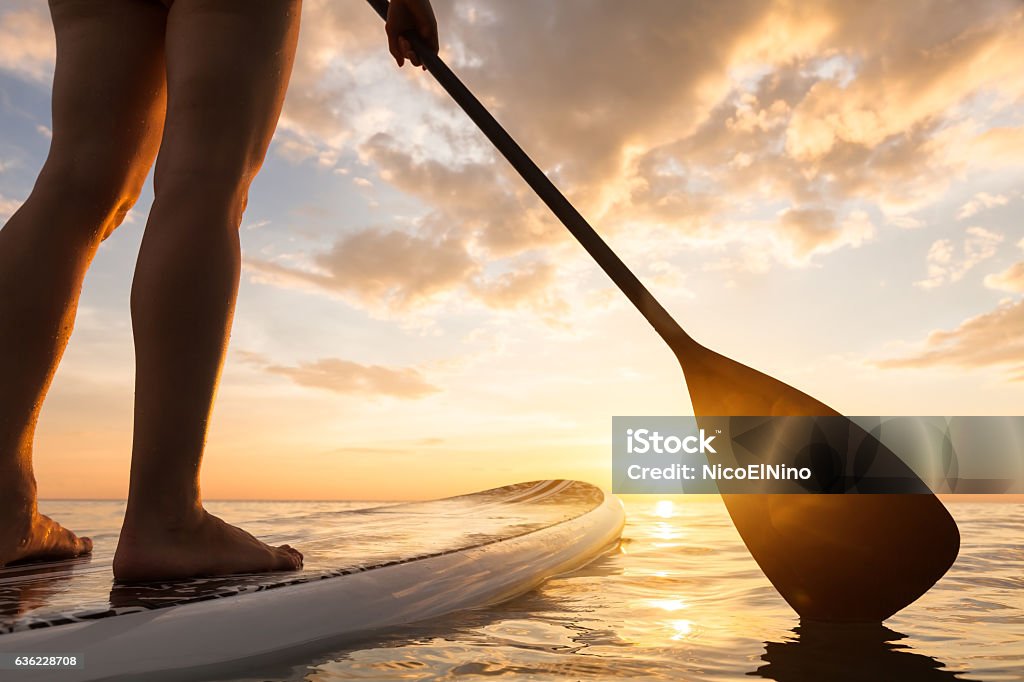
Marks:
<point>673,65</point>
<point>663,190</point>
<point>472,240</point>
<point>526,286</point>
<point>7,207</point>
<point>476,198</point>
<point>27,47</point>
<point>980,202</point>
<point>713,123</point>
<point>995,147</point>
<point>379,267</point>
<point>905,222</point>
<point>344,376</point>
<point>814,230</point>
<point>992,338</point>
<point>321,105</point>
<point>845,118</point>
<point>388,271</point>
<point>1011,279</point>
<point>916,70</point>
<point>945,266</point>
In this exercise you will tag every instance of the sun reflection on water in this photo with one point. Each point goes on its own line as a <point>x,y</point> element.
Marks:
<point>681,629</point>
<point>668,604</point>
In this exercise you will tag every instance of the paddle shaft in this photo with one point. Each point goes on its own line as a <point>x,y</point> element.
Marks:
<point>627,282</point>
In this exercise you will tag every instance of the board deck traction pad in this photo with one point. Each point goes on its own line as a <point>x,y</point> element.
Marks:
<point>35,596</point>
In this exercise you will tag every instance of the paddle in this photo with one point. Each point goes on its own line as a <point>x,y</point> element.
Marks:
<point>832,557</point>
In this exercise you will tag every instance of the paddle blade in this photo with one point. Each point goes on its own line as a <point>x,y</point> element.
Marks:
<point>853,558</point>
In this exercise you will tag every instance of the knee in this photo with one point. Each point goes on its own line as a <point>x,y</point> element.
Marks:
<point>202,193</point>
<point>96,196</point>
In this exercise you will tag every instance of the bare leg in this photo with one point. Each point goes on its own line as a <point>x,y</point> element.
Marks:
<point>228,63</point>
<point>108,105</point>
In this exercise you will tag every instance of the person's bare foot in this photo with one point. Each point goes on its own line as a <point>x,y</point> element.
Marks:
<point>28,536</point>
<point>203,546</point>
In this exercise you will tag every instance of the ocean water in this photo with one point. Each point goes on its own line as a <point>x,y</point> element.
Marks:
<point>679,600</point>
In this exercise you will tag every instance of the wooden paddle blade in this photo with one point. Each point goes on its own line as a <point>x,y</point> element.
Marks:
<point>723,387</point>
<point>847,558</point>
<point>854,557</point>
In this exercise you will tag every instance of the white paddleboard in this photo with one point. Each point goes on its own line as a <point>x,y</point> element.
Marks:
<point>364,570</point>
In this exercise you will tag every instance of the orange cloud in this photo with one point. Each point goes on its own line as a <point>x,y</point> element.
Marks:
<point>27,44</point>
<point>1002,146</point>
<point>1011,279</point>
<point>946,266</point>
<point>478,198</point>
<point>979,202</point>
<point>815,230</point>
<point>703,118</point>
<point>388,270</point>
<point>320,107</point>
<point>8,207</point>
<point>525,286</point>
<point>992,338</point>
<point>917,71</point>
<point>344,376</point>
<point>380,268</point>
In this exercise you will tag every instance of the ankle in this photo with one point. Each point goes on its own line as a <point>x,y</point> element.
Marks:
<point>148,517</point>
<point>17,487</point>
<point>18,510</point>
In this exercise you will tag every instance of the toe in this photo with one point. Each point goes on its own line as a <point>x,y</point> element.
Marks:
<point>63,543</point>
<point>292,556</point>
<point>84,546</point>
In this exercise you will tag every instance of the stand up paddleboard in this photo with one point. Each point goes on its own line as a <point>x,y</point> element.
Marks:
<point>365,569</point>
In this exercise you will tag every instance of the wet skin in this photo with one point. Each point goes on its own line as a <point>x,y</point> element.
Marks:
<point>138,81</point>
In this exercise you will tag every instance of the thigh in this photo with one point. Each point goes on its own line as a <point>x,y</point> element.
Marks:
<point>228,64</point>
<point>108,89</point>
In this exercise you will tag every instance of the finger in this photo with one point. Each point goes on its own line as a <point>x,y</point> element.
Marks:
<point>394,46</point>
<point>408,52</point>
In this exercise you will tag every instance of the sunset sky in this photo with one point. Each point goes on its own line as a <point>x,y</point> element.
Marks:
<point>829,192</point>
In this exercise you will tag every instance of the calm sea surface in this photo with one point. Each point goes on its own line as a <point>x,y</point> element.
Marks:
<point>681,600</point>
